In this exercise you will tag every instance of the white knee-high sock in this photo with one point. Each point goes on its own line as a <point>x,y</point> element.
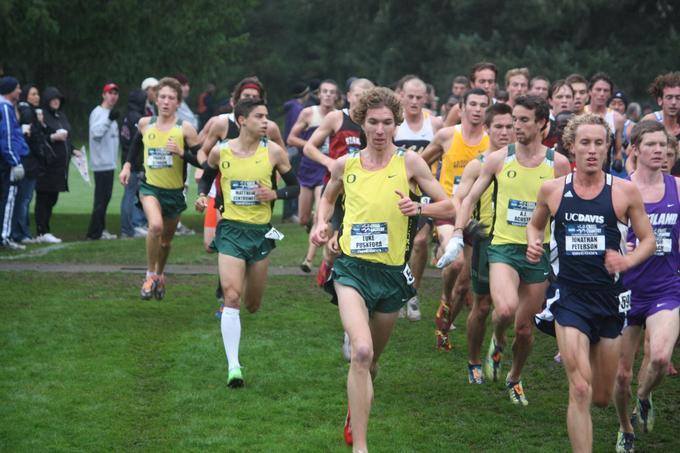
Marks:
<point>231,335</point>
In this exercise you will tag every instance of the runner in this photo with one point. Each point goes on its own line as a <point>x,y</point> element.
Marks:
<point>310,173</point>
<point>591,211</point>
<point>168,144</point>
<point>516,84</point>
<point>666,90</point>
<point>244,236</point>
<point>498,124</point>
<point>483,75</point>
<point>517,287</point>
<point>600,88</point>
<point>654,284</point>
<point>456,146</point>
<point>370,279</point>
<point>579,87</point>
<point>414,134</point>
<point>539,86</point>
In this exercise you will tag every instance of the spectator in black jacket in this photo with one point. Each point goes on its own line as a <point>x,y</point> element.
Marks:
<point>132,219</point>
<point>53,177</point>
<point>32,123</point>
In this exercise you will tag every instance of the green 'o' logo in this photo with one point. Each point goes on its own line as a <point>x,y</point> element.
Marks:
<point>351,178</point>
<point>511,174</point>
<point>225,164</point>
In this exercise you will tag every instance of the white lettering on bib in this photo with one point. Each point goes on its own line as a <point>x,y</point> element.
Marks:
<point>368,238</point>
<point>158,158</point>
<point>519,212</point>
<point>243,193</point>
<point>584,239</point>
<point>624,302</point>
<point>664,242</point>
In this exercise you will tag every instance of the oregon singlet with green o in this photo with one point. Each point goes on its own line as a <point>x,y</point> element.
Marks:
<point>516,190</point>
<point>163,169</point>
<point>374,229</point>
<point>239,178</point>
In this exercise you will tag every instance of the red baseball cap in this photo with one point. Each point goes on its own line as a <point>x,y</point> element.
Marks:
<point>110,87</point>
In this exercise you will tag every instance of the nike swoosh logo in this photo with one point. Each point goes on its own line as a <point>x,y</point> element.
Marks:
<point>258,161</point>
<point>391,176</point>
<point>660,305</point>
<point>670,205</point>
<point>543,177</point>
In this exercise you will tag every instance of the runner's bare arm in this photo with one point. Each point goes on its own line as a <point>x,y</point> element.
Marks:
<point>274,134</point>
<point>327,202</point>
<point>218,129</point>
<point>441,207</point>
<point>467,179</point>
<point>330,124</point>
<point>435,149</point>
<point>539,219</point>
<point>300,125</point>
<point>493,164</point>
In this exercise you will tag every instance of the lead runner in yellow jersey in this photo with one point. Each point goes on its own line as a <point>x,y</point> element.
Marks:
<point>517,286</point>
<point>244,236</point>
<point>168,144</point>
<point>370,278</point>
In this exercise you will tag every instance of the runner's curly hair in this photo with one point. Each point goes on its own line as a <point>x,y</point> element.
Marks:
<point>668,80</point>
<point>375,98</point>
<point>569,135</point>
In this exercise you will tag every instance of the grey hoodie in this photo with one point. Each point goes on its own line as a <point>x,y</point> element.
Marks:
<point>103,140</point>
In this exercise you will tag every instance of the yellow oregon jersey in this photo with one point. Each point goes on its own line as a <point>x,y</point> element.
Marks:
<point>374,229</point>
<point>240,176</point>
<point>456,158</point>
<point>515,197</point>
<point>484,210</point>
<point>163,169</point>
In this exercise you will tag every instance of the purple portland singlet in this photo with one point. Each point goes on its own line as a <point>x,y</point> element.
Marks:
<point>657,278</point>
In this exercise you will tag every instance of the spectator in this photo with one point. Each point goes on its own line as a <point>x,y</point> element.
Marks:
<point>103,152</point>
<point>184,112</point>
<point>132,219</point>
<point>206,105</point>
<point>53,177</point>
<point>12,148</point>
<point>33,126</point>
<point>149,85</point>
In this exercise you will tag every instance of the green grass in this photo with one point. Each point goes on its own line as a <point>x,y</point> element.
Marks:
<point>87,366</point>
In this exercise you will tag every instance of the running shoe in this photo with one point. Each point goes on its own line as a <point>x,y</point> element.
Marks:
<point>347,431</point>
<point>235,379</point>
<point>346,348</point>
<point>323,274</point>
<point>159,292</point>
<point>645,411</point>
<point>218,312</point>
<point>402,312</point>
<point>413,309</point>
<point>516,392</point>
<point>306,266</point>
<point>442,319</point>
<point>624,442</point>
<point>443,341</point>
<point>475,374</point>
<point>148,288</point>
<point>183,230</point>
<point>492,361</point>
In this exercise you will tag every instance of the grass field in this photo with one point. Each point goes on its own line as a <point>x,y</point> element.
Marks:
<point>87,366</point>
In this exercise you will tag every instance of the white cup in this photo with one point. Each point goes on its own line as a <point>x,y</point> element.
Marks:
<point>26,128</point>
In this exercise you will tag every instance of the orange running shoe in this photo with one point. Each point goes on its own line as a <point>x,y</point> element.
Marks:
<point>443,341</point>
<point>159,292</point>
<point>148,287</point>
<point>323,274</point>
<point>347,431</point>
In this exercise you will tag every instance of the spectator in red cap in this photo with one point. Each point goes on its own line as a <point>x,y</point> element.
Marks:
<point>103,153</point>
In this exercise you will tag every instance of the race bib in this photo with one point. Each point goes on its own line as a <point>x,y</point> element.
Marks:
<point>456,181</point>
<point>584,239</point>
<point>158,158</point>
<point>410,279</point>
<point>243,193</point>
<point>664,242</point>
<point>624,302</point>
<point>368,238</point>
<point>519,212</point>
<point>325,147</point>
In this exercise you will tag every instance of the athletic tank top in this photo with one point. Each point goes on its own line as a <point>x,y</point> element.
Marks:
<point>347,139</point>
<point>232,128</point>
<point>373,228</point>
<point>516,190</point>
<point>162,168</point>
<point>456,158</point>
<point>314,123</point>
<point>239,178</point>
<point>484,208</point>
<point>658,275</point>
<point>415,141</point>
<point>584,230</point>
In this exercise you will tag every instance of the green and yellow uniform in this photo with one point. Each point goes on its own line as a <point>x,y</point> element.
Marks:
<point>375,237</point>
<point>516,191</point>
<point>245,220</point>
<point>480,262</point>
<point>163,170</point>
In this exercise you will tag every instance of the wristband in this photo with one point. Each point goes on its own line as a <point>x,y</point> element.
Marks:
<point>419,209</point>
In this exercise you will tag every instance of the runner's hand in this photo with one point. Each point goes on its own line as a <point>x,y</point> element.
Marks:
<point>264,194</point>
<point>451,252</point>
<point>407,206</point>
<point>201,203</point>
<point>320,234</point>
<point>333,243</point>
<point>124,175</point>
<point>615,262</point>
<point>172,147</point>
<point>535,251</point>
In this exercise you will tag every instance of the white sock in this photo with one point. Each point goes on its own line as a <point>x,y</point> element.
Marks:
<point>231,335</point>
<point>150,274</point>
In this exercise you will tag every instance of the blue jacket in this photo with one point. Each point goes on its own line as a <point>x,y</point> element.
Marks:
<point>12,143</point>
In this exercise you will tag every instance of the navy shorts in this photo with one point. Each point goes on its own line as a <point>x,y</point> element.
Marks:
<point>595,313</point>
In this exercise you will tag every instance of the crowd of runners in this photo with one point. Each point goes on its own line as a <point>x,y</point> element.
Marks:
<point>549,204</point>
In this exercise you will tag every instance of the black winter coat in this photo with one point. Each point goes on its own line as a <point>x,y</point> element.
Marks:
<point>54,177</point>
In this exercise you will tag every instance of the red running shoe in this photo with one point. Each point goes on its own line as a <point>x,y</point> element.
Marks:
<point>347,431</point>
<point>323,274</point>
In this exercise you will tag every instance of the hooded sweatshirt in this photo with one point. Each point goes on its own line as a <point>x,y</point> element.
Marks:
<point>103,140</point>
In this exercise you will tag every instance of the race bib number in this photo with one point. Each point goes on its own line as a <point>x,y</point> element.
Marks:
<point>410,279</point>
<point>624,302</point>
<point>584,239</point>
<point>664,242</point>
<point>425,200</point>
<point>158,158</point>
<point>368,238</point>
<point>456,181</point>
<point>519,212</point>
<point>243,193</point>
